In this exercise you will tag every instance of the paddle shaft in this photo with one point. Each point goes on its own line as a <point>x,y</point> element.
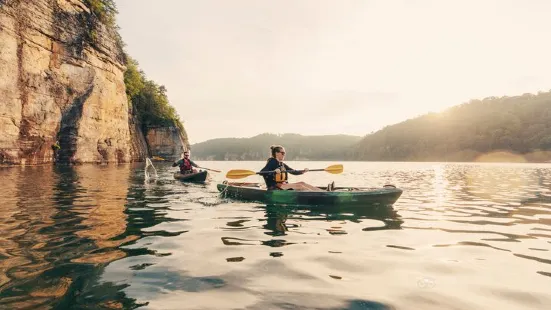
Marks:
<point>209,169</point>
<point>273,171</point>
<point>197,167</point>
<point>240,173</point>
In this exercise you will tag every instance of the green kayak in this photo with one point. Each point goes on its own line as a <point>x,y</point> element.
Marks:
<point>387,194</point>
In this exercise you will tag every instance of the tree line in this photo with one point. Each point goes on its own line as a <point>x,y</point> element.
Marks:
<point>518,125</point>
<point>298,147</point>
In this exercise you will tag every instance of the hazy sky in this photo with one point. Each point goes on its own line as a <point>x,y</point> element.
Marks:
<point>239,68</point>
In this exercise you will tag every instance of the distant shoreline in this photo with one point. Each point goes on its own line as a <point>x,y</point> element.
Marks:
<point>261,161</point>
<point>387,161</point>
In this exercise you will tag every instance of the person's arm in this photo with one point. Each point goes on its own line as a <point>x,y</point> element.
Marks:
<point>193,164</point>
<point>270,166</point>
<point>292,172</point>
<point>178,163</point>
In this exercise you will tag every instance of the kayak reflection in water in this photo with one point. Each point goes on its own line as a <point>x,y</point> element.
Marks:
<point>275,221</point>
<point>278,179</point>
<point>186,164</point>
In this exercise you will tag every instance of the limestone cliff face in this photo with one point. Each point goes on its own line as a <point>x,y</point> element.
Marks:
<point>167,142</point>
<point>138,144</point>
<point>61,80</point>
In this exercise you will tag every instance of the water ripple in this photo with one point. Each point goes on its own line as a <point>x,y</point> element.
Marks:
<point>100,236</point>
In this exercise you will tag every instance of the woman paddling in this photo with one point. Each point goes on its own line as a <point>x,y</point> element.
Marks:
<point>278,179</point>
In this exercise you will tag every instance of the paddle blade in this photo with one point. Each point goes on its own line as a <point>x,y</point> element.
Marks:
<point>239,174</point>
<point>335,169</point>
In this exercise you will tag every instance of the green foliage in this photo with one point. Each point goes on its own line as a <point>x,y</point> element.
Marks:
<point>520,124</point>
<point>104,10</point>
<point>298,147</point>
<point>133,78</point>
<point>148,99</point>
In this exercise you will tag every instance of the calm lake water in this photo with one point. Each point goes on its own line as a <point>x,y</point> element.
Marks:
<point>462,236</point>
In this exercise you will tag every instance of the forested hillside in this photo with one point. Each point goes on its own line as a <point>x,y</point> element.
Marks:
<point>493,129</point>
<point>520,125</point>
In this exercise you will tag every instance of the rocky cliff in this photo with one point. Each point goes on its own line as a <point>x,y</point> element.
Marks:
<point>62,87</point>
<point>167,142</point>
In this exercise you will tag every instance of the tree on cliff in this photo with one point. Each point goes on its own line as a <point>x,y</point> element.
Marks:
<point>105,10</point>
<point>149,100</point>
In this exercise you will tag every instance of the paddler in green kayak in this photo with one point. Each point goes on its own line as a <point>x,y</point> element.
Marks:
<point>278,179</point>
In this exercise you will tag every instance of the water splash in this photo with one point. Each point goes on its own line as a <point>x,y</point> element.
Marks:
<point>149,163</point>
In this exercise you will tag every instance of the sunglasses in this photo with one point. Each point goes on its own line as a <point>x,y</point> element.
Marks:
<point>282,153</point>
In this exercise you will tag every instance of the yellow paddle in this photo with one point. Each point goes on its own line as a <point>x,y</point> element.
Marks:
<point>240,173</point>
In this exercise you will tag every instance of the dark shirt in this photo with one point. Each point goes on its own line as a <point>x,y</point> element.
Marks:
<point>271,165</point>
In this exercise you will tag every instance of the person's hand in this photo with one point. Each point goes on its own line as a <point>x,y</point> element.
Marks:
<point>278,171</point>
<point>305,170</point>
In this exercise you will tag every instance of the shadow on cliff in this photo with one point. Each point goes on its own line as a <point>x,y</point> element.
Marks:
<point>68,132</point>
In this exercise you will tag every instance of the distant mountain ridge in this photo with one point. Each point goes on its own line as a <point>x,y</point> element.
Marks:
<point>504,129</point>
<point>298,147</point>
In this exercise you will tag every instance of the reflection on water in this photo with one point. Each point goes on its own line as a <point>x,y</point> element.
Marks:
<point>62,227</point>
<point>101,237</point>
<point>276,217</point>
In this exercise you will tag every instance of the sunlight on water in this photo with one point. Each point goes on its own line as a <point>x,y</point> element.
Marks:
<point>462,236</point>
